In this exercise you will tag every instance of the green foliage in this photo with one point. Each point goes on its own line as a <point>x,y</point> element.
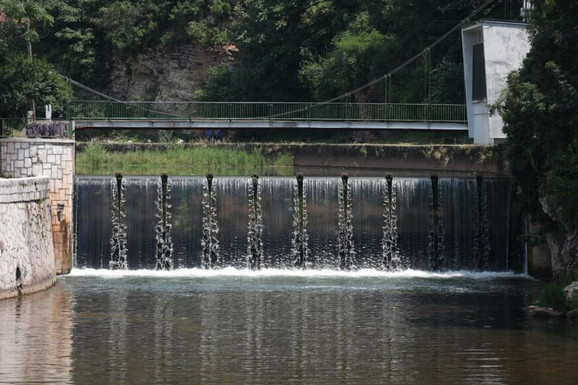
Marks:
<point>540,111</point>
<point>87,35</point>
<point>356,60</point>
<point>552,296</point>
<point>287,49</point>
<point>219,84</point>
<point>269,36</point>
<point>220,8</point>
<point>23,79</point>
<point>572,304</point>
<point>299,49</point>
<point>448,82</point>
<point>200,32</point>
<point>75,43</point>
<point>94,155</point>
<point>20,14</point>
<point>565,181</point>
<point>284,165</point>
<point>131,25</point>
<point>199,22</point>
<point>178,160</point>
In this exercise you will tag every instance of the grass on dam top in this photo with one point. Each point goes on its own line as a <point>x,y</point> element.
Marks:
<point>180,160</point>
<point>96,157</point>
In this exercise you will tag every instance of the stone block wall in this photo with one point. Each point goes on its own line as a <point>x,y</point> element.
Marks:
<point>26,242</point>
<point>53,158</point>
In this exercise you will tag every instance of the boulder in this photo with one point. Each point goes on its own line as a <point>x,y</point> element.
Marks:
<point>572,314</point>
<point>571,292</point>
<point>540,312</point>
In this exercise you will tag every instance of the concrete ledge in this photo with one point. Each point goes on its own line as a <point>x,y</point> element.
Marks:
<point>363,159</point>
<point>14,190</point>
<point>38,140</point>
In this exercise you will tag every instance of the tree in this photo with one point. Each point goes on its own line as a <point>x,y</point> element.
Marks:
<point>540,111</point>
<point>23,79</point>
<point>360,54</point>
<point>22,16</point>
<point>269,36</point>
<point>75,43</point>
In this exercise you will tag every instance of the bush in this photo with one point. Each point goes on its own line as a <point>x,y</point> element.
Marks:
<point>552,296</point>
<point>94,154</point>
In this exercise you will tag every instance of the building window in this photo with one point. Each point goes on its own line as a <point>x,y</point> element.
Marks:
<point>479,74</point>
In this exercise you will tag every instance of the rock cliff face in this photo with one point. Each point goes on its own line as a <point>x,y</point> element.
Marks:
<point>165,74</point>
<point>563,244</point>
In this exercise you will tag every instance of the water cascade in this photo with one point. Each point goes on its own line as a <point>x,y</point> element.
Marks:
<point>300,237</point>
<point>273,221</point>
<point>164,242</point>
<point>118,240</point>
<point>436,235</point>
<point>392,260</point>
<point>255,228</point>
<point>210,241</point>
<point>481,251</point>
<point>345,231</point>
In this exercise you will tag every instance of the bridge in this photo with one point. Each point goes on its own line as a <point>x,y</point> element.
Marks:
<point>116,114</point>
<point>92,109</point>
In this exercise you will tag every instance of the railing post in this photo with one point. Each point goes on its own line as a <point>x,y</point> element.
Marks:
<point>270,111</point>
<point>425,112</point>
<point>347,104</point>
<point>385,111</point>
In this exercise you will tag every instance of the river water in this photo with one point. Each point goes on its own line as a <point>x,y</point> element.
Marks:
<point>284,327</point>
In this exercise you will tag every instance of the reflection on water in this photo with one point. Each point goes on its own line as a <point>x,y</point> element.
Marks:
<point>273,326</point>
<point>36,338</point>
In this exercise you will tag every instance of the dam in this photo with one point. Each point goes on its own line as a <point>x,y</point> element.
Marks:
<point>469,209</point>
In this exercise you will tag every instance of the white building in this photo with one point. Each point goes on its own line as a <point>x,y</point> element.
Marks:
<point>492,49</point>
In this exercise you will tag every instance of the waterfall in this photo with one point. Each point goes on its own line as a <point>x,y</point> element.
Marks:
<point>481,249</point>
<point>255,227</point>
<point>345,231</point>
<point>118,240</point>
<point>210,242</point>
<point>300,237</point>
<point>164,242</point>
<point>436,235</point>
<point>249,224</point>
<point>392,260</point>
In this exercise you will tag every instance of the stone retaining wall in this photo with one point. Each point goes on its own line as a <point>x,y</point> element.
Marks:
<point>53,158</point>
<point>26,243</point>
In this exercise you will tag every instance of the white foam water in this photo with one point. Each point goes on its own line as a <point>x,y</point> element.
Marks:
<point>298,273</point>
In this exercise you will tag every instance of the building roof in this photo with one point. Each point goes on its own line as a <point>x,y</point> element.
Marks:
<point>503,23</point>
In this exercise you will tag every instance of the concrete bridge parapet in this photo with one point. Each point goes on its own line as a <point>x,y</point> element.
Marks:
<point>54,159</point>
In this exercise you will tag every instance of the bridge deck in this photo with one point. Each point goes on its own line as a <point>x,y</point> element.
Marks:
<point>263,115</point>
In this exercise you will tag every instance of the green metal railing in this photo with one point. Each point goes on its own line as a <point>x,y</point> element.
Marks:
<point>10,127</point>
<point>369,112</point>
